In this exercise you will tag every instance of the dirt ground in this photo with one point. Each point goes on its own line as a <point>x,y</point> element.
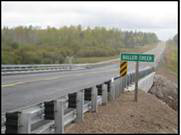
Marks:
<point>148,115</point>
<point>165,72</point>
<point>165,85</point>
<point>165,90</point>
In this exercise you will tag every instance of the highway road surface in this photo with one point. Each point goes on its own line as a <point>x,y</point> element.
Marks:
<point>23,90</point>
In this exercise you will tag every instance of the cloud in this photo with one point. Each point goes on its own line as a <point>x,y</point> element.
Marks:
<point>126,15</point>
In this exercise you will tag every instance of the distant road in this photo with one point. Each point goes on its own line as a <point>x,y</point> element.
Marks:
<point>26,89</point>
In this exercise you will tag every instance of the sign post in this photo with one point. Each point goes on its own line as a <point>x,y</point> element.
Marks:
<point>136,58</point>
<point>136,82</point>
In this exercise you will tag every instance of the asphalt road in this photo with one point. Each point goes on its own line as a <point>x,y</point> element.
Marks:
<point>23,90</point>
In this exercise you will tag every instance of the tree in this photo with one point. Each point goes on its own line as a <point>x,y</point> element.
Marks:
<point>51,45</point>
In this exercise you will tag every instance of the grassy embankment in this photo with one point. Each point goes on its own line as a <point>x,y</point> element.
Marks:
<point>98,59</point>
<point>169,65</point>
<point>171,59</point>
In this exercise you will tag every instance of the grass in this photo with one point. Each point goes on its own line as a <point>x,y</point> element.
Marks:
<point>169,64</point>
<point>171,60</point>
<point>98,59</point>
<point>94,59</point>
<point>139,49</point>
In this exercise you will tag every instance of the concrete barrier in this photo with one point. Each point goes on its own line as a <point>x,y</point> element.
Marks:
<point>144,83</point>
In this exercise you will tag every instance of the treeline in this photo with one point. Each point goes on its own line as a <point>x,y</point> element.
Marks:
<point>32,45</point>
<point>173,41</point>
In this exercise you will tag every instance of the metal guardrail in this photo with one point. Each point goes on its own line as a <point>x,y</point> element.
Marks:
<point>29,68</point>
<point>52,116</point>
<point>7,69</point>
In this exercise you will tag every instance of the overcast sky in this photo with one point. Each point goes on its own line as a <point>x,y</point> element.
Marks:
<point>158,17</point>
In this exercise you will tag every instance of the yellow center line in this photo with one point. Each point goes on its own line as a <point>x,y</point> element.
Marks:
<point>46,79</point>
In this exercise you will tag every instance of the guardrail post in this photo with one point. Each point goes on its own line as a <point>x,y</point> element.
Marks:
<point>25,122</point>
<point>116,88</point>
<point>123,83</point>
<point>59,115</point>
<point>126,81</point>
<point>104,94</point>
<point>132,77</point>
<point>94,99</point>
<point>115,85</point>
<point>79,106</point>
<point>112,89</point>
<point>128,78</point>
<point>120,86</point>
<point>108,83</point>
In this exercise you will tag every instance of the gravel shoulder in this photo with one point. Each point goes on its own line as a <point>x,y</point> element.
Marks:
<point>148,115</point>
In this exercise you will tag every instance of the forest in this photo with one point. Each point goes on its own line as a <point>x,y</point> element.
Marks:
<point>34,45</point>
<point>173,41</point>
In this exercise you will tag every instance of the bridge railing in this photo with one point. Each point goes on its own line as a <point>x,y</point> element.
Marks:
<point>7,69</point>
<point>33,68</point>
<point>51,116</point>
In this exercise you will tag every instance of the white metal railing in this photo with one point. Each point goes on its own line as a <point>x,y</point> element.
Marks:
<point>29,68</point>
<point>11,69</point>
<point>32,119</point>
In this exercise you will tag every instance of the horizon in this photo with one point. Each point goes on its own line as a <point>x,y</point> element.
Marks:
<point>85,27</point>
<point>158,17</point>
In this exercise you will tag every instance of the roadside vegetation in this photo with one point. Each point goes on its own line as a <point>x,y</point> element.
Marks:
<point>104,58</point>
<point>165,86</point>
<point>171,59</point>
<point>169,64</point>
<point>33,45</point>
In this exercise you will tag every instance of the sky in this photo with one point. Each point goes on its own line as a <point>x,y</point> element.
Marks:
<point>158,17</point>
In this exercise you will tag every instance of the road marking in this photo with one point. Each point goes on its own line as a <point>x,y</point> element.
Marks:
<point>16,83</point>
<point>11,84</point>
<point>46,79</point>
<point>53,78</point>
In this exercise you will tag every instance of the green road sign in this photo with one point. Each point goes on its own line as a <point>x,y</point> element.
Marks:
<point>137,57</point>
